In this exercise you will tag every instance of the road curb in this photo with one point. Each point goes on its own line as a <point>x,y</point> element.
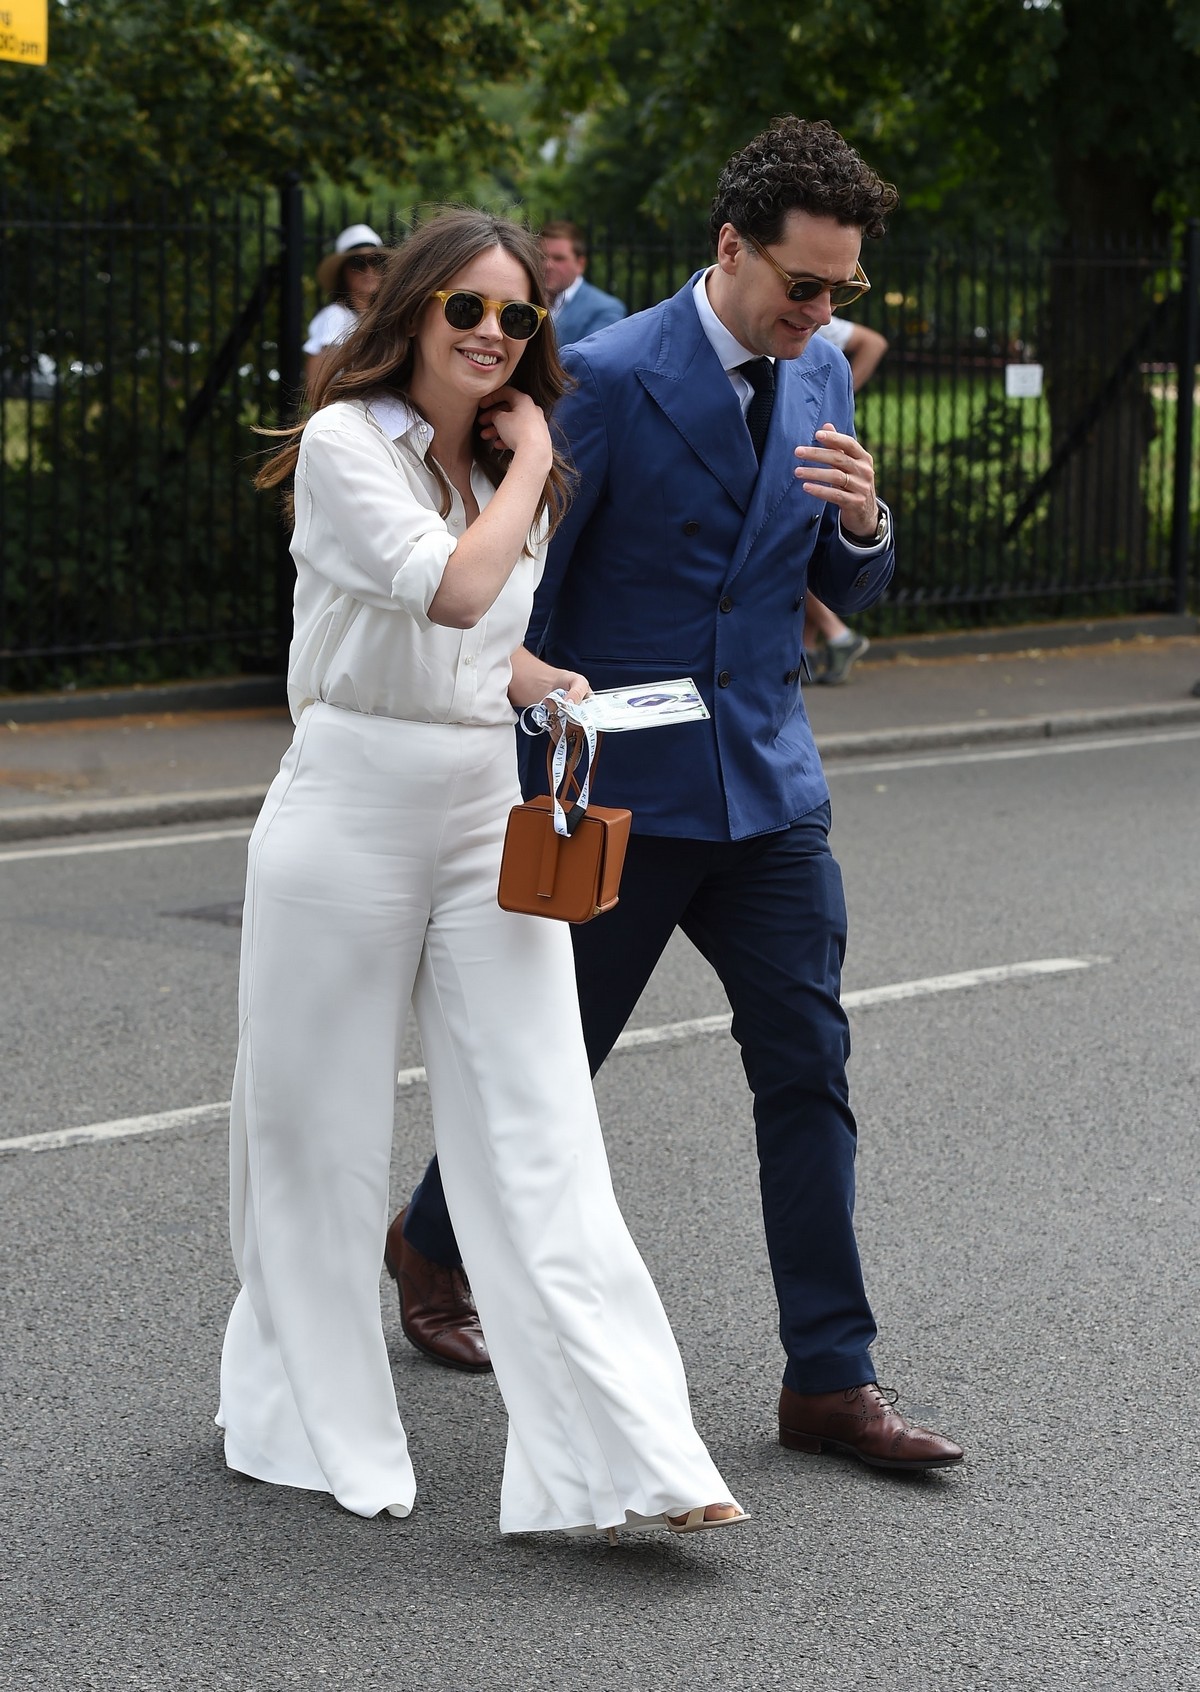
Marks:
<point>1007,730</point>
<point>1033,637</point>
<point>159,810</point>
<point>150,810</point>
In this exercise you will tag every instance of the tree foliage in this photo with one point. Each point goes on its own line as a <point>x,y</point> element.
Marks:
<point>1076,111</point>
<point>232,93</point>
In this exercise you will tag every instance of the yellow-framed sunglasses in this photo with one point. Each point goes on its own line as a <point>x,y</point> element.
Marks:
<point>518,319</point>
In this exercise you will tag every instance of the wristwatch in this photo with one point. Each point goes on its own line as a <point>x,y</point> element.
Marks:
<point>882,530</point>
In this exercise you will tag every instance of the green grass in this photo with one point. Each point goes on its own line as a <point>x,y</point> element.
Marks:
<point>15,433</point>
<point>909,418</point>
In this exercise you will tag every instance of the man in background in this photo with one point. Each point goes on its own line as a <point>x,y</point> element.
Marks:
<point>576,307</point>
<point>825,635</point>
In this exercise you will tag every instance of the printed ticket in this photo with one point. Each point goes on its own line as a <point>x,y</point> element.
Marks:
<point>648,705</point>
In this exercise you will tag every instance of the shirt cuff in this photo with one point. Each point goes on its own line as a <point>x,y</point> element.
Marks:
<point>420,576</point>
<point>869,548</point>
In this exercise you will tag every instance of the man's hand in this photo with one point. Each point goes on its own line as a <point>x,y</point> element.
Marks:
<point>838,469</point>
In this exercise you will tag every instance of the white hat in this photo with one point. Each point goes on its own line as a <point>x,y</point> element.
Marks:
<point>360,237</point>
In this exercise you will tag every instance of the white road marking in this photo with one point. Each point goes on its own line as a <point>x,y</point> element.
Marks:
<point>868,996</point>
<point>669,1033</point>
<point>124,1128</point>
<point>126,845</point>
<point>1032,749</point>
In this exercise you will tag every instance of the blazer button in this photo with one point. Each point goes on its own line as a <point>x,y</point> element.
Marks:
<point>862,579</point>
<point>726,604</point>
<point>790,676</point>
<point>691,527</point>
<point>724,679</point>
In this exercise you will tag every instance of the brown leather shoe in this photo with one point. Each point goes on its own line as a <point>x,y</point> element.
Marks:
<point>437,1311</point>
<point>863,1422</point>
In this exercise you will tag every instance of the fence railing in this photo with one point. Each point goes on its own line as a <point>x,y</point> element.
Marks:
<point>142,343</point>
<point>139,347</point>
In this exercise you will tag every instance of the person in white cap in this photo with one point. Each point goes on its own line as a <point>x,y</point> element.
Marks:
<point>350,276</point>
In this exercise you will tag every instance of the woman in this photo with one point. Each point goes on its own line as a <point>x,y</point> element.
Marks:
<point>425,484</point>
<point>349,275</point>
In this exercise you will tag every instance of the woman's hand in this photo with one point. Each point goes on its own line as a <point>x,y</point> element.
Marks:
<point>576,687</point>
<point>513,422</point>
<point>495,540</point>
<point>532,681</point>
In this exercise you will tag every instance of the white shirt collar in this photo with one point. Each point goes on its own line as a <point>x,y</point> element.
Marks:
<point>727,347</point>
<point>397,418</point>
<point>567,295</point>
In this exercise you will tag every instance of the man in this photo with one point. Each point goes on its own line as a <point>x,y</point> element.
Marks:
<point>576,307</point>
<point>826,637</point>
<point>720,481</point>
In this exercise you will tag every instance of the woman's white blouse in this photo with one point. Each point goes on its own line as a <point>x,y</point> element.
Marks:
<point>370,550</point>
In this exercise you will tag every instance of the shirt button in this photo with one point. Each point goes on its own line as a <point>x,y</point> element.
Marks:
<point>726,604</point>
<point>724,679</point>
<point>798,604</point>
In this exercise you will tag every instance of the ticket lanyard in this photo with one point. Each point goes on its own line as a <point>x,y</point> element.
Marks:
<point>557,708</point>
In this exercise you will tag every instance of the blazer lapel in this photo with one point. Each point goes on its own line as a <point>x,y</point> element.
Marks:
<point>689,386</point>
<point>799,395</point>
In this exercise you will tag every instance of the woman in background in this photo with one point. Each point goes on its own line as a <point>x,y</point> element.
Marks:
<point>350,276</point>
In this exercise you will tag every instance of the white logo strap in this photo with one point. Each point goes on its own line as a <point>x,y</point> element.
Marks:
<point>557,708</point>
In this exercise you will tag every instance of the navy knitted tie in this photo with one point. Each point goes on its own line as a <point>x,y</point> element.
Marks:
<point>760,373</point>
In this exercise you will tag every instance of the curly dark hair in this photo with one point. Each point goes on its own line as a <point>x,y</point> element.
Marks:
<point>796,165</point>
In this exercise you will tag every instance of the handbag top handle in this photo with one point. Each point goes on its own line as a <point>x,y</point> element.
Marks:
<point>576,807</point>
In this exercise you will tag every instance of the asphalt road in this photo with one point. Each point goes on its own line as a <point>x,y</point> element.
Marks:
<point>1028,1215</point>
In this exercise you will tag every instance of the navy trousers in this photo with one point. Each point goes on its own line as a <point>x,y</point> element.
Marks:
<point>770,916</point>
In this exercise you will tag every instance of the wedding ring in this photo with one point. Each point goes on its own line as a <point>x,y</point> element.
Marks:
<point>845,479</point>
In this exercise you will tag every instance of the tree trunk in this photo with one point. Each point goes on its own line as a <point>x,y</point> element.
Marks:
<point>1104,327</point>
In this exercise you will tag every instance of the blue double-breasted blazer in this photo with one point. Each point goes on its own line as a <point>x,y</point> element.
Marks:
<point>682,556</point>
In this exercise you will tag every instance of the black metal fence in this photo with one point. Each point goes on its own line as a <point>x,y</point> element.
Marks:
<point>142,343</point>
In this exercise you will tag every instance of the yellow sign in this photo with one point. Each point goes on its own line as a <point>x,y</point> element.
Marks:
<point>23,31</point>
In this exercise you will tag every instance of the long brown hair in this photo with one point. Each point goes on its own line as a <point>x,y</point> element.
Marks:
<point>377,355</point>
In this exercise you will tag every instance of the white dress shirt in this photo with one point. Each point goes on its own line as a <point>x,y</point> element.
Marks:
<point>731,353</point>
<point>370,548</point>
<point>564,299</point>
<point>726,345</point>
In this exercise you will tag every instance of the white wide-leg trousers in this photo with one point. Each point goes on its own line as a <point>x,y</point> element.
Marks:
<point>372,881</point>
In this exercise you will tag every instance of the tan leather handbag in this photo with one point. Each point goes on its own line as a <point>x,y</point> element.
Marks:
<point>573,877</point>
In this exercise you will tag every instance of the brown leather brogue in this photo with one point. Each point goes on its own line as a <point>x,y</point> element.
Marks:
<point>863,1422</point>
<point>437,1312</point>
